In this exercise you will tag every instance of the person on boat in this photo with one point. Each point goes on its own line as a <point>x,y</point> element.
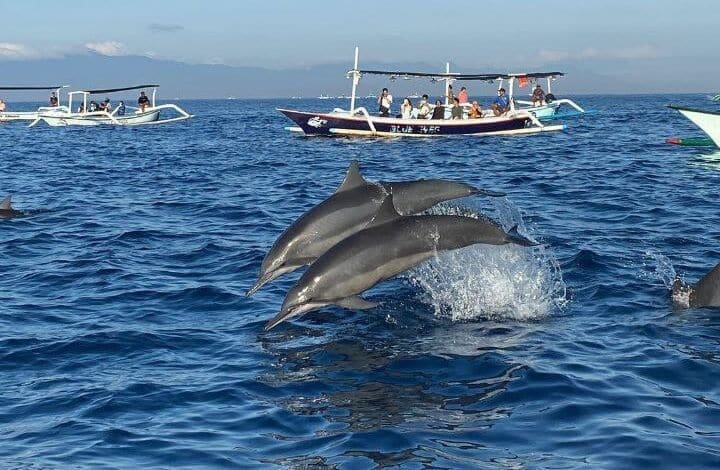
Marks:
<point>501,103</point>
<point>53,99</point>
<point>438,111</point>
<point>457,110</point>
<point>450,96</point>
<point>423,108</point>
<point>105,105</point>
<point>143,101</point>
<point>475,111</point>
<point>121,109</point>
<point>406,109</point>
<point>2,106</point>
<point>93,106</point>
<point>463,96</point>
<point>538,96</point>
<point>384,102</point>
<point>81,108</point>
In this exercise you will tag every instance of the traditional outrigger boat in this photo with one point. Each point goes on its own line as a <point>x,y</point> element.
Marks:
<point>6,116</point>
<point>137,116</point>
<point>708,121</point>
<point>359,122</point>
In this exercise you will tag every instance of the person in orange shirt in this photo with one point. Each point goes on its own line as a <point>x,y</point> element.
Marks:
<point>463,95</point>
<point>475,111</point>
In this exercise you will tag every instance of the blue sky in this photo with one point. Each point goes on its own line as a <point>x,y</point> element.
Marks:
<point>283,33</point>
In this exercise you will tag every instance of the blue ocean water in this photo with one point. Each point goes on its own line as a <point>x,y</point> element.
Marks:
<point>126,339</point>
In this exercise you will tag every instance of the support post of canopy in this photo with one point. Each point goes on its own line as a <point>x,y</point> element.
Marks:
<point>153,98</point>
<point>355,80</point>
<point>511,85</point>
<point>549,79</point>
<point>447,82</point>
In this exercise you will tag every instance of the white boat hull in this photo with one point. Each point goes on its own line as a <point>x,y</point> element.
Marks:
<point>78,119</point>
<point>708,121</point>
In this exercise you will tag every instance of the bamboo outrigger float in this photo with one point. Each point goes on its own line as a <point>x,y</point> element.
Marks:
<point>359,122</point>
<point>148,115</point>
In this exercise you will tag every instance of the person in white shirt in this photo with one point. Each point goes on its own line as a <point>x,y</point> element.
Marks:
<point>406,109</point>
<point>385,102</point>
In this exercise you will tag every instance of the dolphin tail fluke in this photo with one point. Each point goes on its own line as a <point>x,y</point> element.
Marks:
<point>513,236</point>
<point>356,303</point>
<point>5,204</point>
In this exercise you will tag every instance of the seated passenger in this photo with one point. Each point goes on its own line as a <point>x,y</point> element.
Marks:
<point>457,110</point>
<point>2,106</point>
<point>406,109</point>
<point>93,106</point>
<point>121,109</point>
<point>423,108</point>
<point>438,111</point>
<point>501,103</point>
<point>475,111</point>
<point>538,96</point>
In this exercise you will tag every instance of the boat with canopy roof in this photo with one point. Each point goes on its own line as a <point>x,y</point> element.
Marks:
<point>137,117</point>
<point>357,121</point>
<point>9,115</point>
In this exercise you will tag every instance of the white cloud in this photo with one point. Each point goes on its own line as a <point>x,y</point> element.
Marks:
<point>10,50</point>
<point>111,48</point>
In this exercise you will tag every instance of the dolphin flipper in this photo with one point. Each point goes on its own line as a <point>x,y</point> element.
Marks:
<point>356,302</point>
<point>513,236</point>
<point>5,204</point>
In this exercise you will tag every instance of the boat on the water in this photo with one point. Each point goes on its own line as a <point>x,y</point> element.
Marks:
<point>357,121</point>
<point>9,115</point>
<point>708,121</point>
<point>132,116</point>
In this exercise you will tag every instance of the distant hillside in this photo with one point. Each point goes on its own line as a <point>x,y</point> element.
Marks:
<point>219,81</point>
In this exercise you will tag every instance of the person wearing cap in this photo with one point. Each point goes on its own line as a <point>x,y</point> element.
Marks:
<point>53,99</point>
<point>501,103</point>
<point>143,101</point>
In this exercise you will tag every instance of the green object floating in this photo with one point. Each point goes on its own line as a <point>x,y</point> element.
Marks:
<point>691,141</point>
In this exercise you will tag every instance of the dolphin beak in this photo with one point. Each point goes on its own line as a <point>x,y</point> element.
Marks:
<point>485,192</point>
<point>264,279</point>
<point>283,315</point>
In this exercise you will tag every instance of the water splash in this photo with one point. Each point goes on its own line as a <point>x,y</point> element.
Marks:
<point>496,282</point>
<point>658,266</point>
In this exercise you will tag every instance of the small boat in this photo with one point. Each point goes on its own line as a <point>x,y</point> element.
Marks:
<point>414,95</point>
<point>708,121</point>
<point>323,97</point>
<point>357,121</point>
<point>548,110</point>
<point>138,117</point>
<point>6,116</point>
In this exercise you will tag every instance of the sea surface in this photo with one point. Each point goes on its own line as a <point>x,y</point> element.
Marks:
<point>126,339</point>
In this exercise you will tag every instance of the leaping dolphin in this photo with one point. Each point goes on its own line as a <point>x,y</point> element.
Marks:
<point>348,211</point>
<point>704,293</point>
<point>390,245</point>
<point>6,209</point>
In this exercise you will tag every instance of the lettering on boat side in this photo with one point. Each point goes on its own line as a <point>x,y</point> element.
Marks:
<point>412,130</point>
<point>317,122</point>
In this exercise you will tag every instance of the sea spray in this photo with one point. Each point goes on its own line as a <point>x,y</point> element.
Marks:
<point>486,281</point>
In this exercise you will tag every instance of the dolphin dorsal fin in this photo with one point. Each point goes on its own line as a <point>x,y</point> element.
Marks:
<point>5,204</point>
<point>707,290</point>
<point>353,178</point>
<point>385,213</point>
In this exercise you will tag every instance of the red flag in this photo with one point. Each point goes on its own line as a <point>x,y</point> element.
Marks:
<point>523,82</point>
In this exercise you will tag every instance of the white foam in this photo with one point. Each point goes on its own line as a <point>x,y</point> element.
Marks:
<point>498,282</point>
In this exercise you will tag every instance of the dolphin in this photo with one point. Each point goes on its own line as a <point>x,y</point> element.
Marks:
<point>348,211</point>
<point>390,245</point>
<point>6,209</point>
<point>705,293</point>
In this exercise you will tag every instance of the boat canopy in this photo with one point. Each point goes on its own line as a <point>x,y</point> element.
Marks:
<point>19,88</point>
<point>489,77</point>
<point>112,90</point>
